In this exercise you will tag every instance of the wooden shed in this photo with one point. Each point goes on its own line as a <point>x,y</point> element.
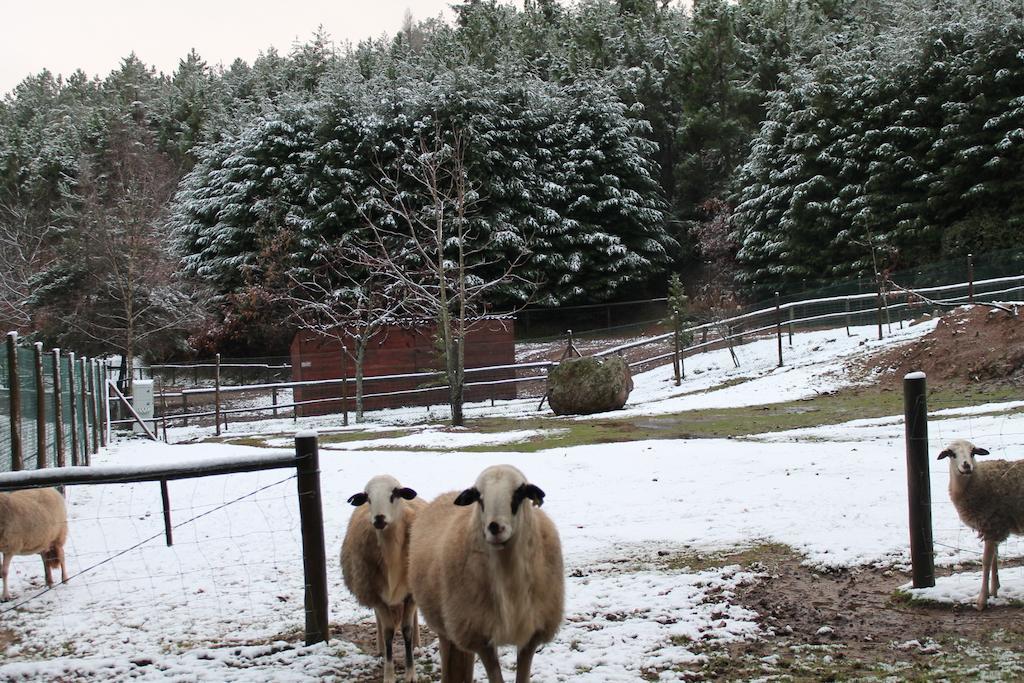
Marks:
<point>399,350</point>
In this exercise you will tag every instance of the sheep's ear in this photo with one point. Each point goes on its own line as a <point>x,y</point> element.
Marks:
<point>945,454</point>
<point>358,499</point>
<point>468,497</point>
<point>527,491</point>
<point>978,451</point>
<point>406,493</point>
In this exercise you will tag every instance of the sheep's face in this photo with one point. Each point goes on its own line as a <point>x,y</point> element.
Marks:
<point>385,496</point>
<point>501,492</point>
<point>961,454</point>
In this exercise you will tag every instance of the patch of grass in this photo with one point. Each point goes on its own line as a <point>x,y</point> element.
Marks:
<point>255,441</point>
<point>842,406</point>
<point>345,437</point>
<point>763,553</point>
<point>563,432</point>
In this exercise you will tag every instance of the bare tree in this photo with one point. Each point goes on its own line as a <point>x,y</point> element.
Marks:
<point>424,238</point>
<point>337,301</point>
<point>716,294</point>
<point>117,286</point>
<point>26,248</point>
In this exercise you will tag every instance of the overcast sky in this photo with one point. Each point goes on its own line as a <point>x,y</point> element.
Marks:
<point>94,35</point>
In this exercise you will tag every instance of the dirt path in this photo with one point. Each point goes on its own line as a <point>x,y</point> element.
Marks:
<point>848,625</point>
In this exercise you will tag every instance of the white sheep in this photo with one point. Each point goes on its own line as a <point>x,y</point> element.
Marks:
<point>33,521</point>
<point>488,574</point>
<point>989,497</point>
<point>374,564</point>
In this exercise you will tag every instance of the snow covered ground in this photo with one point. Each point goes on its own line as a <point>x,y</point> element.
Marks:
<point>225,601</point>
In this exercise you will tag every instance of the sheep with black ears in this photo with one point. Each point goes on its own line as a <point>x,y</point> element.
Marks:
<point>485,567</point>
<point>375,562</point>
<point>33,521</point>
<point>989,497</point>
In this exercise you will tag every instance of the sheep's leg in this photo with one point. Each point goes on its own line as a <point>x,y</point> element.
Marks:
<point>456,664</point>
<point>409,623</point>
<point>47,574</point>
<point>986,563</point>
<point>63,567</point>
<point>994,582</point>
<point>449,657</point>
<point>489,656</point>
<point>380,634</point>
<point>387,633</point>
<point>6,568</point>
<point>524,661</point>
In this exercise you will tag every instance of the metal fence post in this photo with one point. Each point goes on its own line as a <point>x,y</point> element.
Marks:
<point>17,456</point>
<point>83,383</point>
<point>37,350</point>
<point>58,410</point>
<point>73,407</point>
<point>311,519</point>
<point>102,400</point>
<point>93,405</point>
<point>778,325</point>
<point>915,407</point>
<point>847,317</point>
<point>216,394</point>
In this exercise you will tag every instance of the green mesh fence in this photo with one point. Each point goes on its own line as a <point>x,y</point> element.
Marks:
<point>29,410</point>
<point>50,412</point>
<point>68,416</point>
<point>67,436</point>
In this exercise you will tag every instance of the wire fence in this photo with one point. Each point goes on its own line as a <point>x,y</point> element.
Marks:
<point>233,552</point>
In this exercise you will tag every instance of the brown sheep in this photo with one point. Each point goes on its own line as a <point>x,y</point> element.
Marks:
<point>375,562</point>
<point>989,497</point>
<point>33,521</point>
<point>488,574</point>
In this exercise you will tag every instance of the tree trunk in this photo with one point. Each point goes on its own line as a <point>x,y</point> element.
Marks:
<point>456,380</point>
<point>360,357</point>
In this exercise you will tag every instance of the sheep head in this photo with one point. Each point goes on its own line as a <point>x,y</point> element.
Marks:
<point>961,454</point>
<point>385,495</point>
<point>500,492</point>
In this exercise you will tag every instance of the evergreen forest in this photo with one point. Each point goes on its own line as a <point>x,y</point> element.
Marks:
<point>600,146</point>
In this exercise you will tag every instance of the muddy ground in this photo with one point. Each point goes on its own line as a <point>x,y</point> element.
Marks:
<point>850,625</point>
<point>847,625</point>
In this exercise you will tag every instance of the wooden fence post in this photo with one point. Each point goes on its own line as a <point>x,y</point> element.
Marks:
<point>58,410</point>
<point>878,285</point>
<point>216,394</point>
<point>17,455</point>
<point>970,278</point>
<point>676,351</point>
<point>847,317</point>
<point>344,386</point>
<point>73,407</point>
<point>915,408</point>
<point>778,325</point>
<point>311,519</point>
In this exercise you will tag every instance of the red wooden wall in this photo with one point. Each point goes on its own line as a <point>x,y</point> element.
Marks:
<point>401,350</point>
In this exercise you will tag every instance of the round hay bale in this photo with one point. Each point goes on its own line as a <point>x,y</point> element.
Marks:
<point>583,386</point>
